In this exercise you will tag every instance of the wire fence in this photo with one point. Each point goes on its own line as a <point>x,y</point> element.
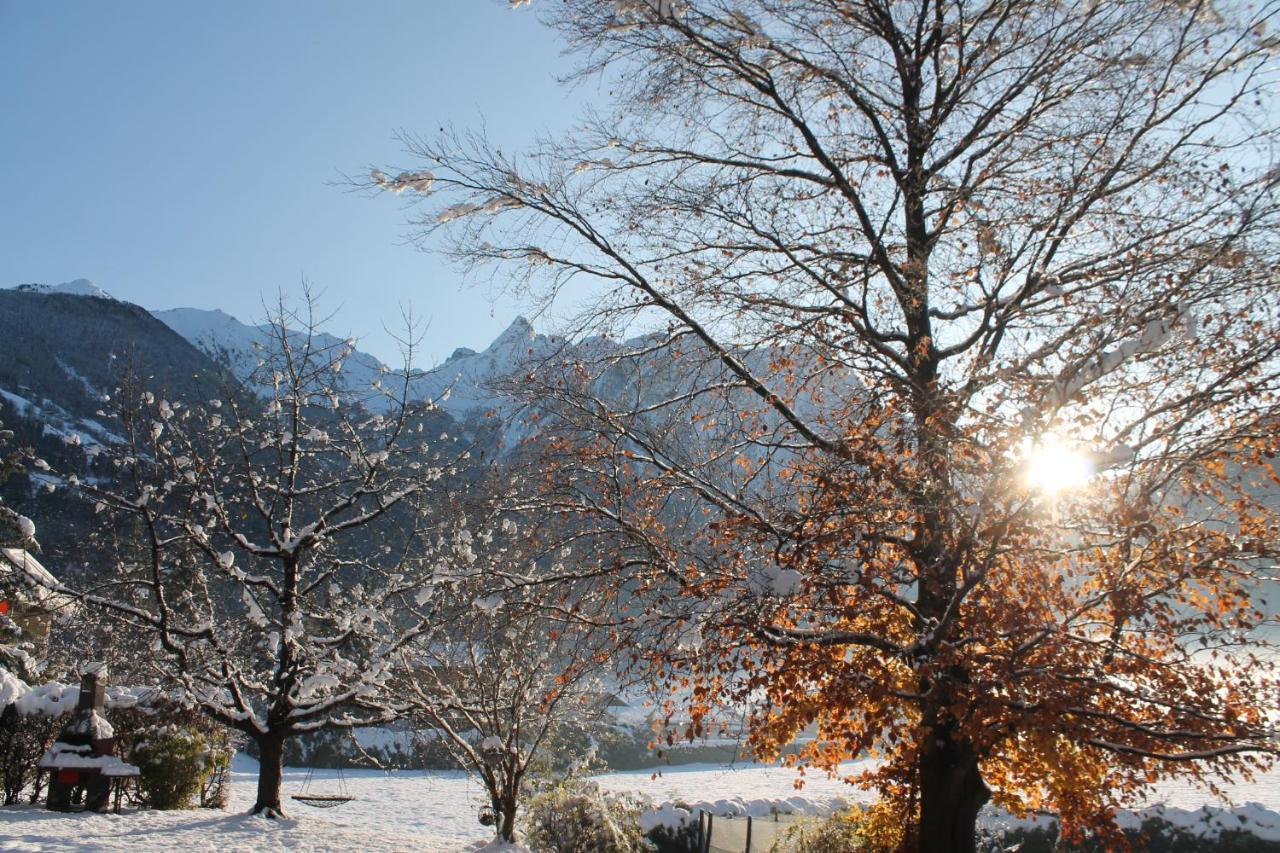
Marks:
<point>741,834</point>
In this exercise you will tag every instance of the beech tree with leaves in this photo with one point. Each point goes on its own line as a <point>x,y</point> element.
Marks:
<point>999,504</point>
<point>275,531</point>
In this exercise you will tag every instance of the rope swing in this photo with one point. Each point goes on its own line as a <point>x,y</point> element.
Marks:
<point>323,801</point>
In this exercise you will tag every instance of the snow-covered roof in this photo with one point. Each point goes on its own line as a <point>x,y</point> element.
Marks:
<point>34,579</point>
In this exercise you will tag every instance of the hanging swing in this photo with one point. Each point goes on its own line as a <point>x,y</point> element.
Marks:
<point>319,800</point>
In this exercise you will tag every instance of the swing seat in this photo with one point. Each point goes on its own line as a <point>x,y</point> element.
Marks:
<point>322,801</point>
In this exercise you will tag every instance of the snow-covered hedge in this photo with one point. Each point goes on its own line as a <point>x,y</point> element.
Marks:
<point>1250,826</point>
<point>1205,828</point>
<point>31,717</point>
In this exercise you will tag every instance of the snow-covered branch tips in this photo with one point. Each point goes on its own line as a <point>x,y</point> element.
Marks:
<point>274,530</point>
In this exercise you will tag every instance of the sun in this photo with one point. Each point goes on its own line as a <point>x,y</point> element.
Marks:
<point>1052,466</point>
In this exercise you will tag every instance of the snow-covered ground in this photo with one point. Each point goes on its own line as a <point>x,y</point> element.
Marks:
<point>431,811</point>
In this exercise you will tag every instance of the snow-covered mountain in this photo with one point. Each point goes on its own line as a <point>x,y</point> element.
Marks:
<point>642,373</point>
<point>63,347</point>
<point>463,384</point>
<point>238,347</point>
<point>79,287</point>
<point>458,385</point>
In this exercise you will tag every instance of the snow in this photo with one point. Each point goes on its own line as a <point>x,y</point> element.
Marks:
<point>665,815</point>
<point>27,563</point>
<point>53,698</point>
<point>79,287</point>
<point>11,687</point>
<point>436,811</point>
<point>419,182</point>
<point>1154,335</point>
<point>384,738</point>
<point>225,339</point>
<point>58,422</point>
<point>36,582</point>
<point>63,756</point>
<point>20,404</point>
<point>32,828</point>
<point>498,846</point>
<point>489,605</point>
<point>776,580</point>
<point>92,725</point>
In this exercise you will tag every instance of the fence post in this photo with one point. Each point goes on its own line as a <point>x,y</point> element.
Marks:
<point>702,819</point>
<point>748,848</point>
<point>711,819</point>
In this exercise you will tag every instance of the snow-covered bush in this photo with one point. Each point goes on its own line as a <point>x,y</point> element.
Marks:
<point>1152,834</point>
<point>842,832</point>
<point>215,790</point>
<point>176,762</point>
<point>23,739</point>
<point>578,817</point>
<point>671,828</point>
<point>32,717</point>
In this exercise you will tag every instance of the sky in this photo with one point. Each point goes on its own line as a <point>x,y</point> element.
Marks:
<point>189,154</point>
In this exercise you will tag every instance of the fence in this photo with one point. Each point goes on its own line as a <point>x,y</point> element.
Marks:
<point>740,834</point>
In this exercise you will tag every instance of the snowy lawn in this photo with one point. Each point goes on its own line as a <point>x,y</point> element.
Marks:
<point>418,810</point>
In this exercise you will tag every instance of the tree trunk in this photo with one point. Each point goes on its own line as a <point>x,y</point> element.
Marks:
<point>506,812</point>
<point>951,794</point>
<point>270,774</point>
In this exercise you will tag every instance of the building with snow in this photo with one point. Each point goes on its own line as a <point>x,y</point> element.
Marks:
<point>28,595</point>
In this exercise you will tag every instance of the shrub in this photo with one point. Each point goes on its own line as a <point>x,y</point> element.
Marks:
<point>214,790</point>
<point>23,740</point>
<point>31,721</point>
<point>577,817</point>
<point>675,839</point>
<point>1155,836</point>
<point>176,763</point>
<point>840,833</point>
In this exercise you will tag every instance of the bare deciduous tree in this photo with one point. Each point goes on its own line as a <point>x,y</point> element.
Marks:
<point>275,534</point>
<point>912,257</point>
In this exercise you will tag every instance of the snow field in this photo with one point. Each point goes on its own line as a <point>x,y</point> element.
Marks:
<point>436,811</point>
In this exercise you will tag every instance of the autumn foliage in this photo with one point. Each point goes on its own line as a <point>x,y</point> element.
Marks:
<point>951,429</point>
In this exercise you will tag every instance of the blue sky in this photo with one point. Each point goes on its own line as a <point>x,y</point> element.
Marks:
<point>183,153</point>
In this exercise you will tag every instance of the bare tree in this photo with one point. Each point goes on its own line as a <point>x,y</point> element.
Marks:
<point>515,663</point>
<point>503,684</point>
<point>275,531</point>
<point>968,236</point>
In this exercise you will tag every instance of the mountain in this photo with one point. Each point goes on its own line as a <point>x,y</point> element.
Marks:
<point>62,348</point>
<point>79,287</point>
<point>459,385</point>
<point>642,372</point>
<point>236,346</point>
<point>463,384</point>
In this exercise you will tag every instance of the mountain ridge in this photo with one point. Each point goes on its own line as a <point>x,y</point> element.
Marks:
<point>458,384</point>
